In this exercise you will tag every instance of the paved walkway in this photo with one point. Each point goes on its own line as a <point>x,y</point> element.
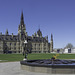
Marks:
<point>14,68</point>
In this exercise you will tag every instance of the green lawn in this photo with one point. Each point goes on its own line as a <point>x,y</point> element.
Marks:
<point>11,57</point>
<point>19,57</point>
<point>48,56</point>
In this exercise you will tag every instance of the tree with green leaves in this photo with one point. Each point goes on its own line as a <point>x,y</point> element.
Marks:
<point>69,45</point>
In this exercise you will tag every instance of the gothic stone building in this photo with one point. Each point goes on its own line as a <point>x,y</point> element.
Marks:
<point>15,43</point>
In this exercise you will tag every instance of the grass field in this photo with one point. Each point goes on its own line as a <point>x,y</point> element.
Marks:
<point>11,57</point>
<point>48,56</point>
<point>19,57</point>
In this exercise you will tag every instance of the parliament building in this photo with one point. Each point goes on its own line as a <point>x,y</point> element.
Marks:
<point>15,43</point>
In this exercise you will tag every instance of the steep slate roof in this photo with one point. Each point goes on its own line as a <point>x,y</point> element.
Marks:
<point>16,38</point>
<point>36,39</point>
<point>9,37</point>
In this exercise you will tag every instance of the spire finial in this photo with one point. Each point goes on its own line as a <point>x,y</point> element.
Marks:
<point>22,15</point>
<point>22,19</point>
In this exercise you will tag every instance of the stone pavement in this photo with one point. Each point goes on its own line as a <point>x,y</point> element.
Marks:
<point>14,68</point>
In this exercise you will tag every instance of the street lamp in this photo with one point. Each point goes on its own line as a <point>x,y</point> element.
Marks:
<point>25,42</point>
<point>25,50</point>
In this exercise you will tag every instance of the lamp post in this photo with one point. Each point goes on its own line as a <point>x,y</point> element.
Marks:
<point>25,50</point>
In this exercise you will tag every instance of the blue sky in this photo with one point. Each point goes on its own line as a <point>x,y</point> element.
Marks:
<point>53,16</point>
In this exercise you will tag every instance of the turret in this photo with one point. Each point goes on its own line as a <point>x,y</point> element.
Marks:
<point>51,43</point>
<point>39,33</point>
<point>6,33</point>
<point>12,35</point>
<point>0,33</point>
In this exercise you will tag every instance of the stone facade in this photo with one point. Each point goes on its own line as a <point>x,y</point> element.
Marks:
<point>15,43</point>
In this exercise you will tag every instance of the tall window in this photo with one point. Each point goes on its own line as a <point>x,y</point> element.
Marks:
<point>10,48</point>
<point>0,47</point>
<point>15,48</point>
<point>39,44</point>
<point>14,43</point>
<point>10,43</point>
<point>35,44</point>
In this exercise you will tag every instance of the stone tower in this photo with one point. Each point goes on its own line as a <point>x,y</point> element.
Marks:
<point>22,29</point>
<point>22,34</point>
<point>51,44</point>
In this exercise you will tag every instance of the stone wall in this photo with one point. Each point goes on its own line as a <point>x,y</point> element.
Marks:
<point>49,70</point>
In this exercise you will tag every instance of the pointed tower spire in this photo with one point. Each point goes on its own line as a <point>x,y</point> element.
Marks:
<point>51,43</point>
<point>39,33</point>
<point>22,29</point>
<point>22,19</point>
<point>51,37</point>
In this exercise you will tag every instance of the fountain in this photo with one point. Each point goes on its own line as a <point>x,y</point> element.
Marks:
<point>51,66</point>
